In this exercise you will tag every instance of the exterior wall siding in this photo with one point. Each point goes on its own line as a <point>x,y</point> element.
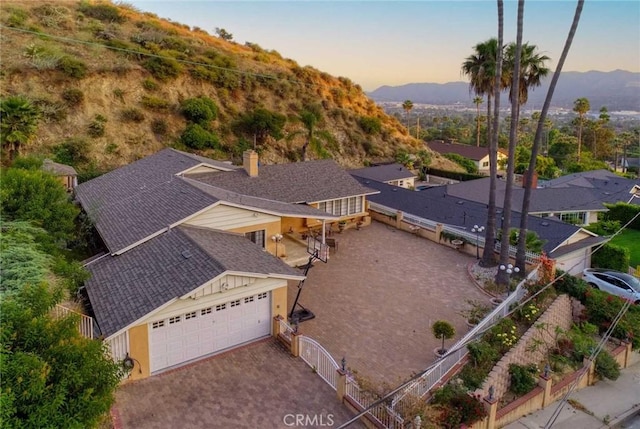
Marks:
<point>217,297</point>
<point>279,302</point>
<point>293,224</point>
<point>139,350</point>
<point>230,218</point>
<point>272,228</point>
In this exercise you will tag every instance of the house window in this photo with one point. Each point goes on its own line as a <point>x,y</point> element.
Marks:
<point>262,295</point>
<point>257,237</point>
<point>221,307</point>
<point>191,315</point>
<point>205,311</point>
<point>234,303</point>
<point>173,320</point>
<point>401,183</point>
<point>158,324</point>
<point>575,218</point>
<point>485,164</point>
<point>248,299</point>
<point>342,207</point>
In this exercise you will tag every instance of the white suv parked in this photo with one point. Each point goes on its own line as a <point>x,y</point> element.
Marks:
<point>614,282</point>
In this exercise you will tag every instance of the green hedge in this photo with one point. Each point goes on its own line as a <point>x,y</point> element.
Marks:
<point>611,257</point>
<point>451,174</point>
<point>624,212</point>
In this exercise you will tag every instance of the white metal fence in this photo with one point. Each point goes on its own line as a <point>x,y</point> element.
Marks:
<point>85,325</point>
<point>284,329</point>
<point>118,346</point>
<point>430,378</point>
<point>381,413</point>
<point>319,359</point>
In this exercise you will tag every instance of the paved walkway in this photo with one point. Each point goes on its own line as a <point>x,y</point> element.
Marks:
<point>256,386</point>
<point>377,297</point>
<point>603,405</point>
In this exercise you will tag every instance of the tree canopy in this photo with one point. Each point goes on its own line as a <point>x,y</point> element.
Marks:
<point>260,124</point>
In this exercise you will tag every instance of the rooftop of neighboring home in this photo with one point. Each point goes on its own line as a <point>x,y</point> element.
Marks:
<point>462,213</point>
<point>474,153</point>
<point>134,202</point>
<point>58,169</point>
<point>585,191</point>
<point>384,173</point>
<point>126,287</point>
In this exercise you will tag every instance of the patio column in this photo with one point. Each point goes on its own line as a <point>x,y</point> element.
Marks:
<point>324,224</point>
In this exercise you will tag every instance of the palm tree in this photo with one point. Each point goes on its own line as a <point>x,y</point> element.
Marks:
<point>407,106</point>
<point>19,123</point>
<point>477,101</point>
<point>532,69</point>
<point>502,277</point>
<point>581,107</point>
<point>526,200</point>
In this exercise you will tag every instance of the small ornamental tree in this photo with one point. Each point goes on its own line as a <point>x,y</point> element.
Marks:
<point>443,329</point>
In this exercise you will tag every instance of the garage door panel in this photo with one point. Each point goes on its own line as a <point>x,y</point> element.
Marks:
<point>208,330</point>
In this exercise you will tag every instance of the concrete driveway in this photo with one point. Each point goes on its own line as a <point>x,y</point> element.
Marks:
<point>256,386</point>
<point>377,297</point>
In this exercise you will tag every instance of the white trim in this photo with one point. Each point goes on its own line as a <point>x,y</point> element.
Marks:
<point>319,215</point>
<point>348,196</point>
<point>141,319</point>
<point>202,164</point>
<point>570,237</point>
<point>191,216</point>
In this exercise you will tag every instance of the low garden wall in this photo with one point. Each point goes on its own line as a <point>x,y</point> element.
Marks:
<point>532,347</point>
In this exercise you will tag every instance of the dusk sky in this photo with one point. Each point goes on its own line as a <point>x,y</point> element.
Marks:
<point>378,43</point>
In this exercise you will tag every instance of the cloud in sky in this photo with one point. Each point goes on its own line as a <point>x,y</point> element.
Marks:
<point>378,43</point>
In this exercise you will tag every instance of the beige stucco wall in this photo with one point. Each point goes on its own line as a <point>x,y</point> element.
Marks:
<point>139,350</point>
<point>271,229</point>
<point>279,302</point>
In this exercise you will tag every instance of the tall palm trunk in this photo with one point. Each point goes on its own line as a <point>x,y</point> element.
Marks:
<point>526,200</point>
<point>502,277</point>
<point>488,253</point>
<point>478,124</point>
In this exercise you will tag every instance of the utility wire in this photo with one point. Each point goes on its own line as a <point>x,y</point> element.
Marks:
<point>478,334</point>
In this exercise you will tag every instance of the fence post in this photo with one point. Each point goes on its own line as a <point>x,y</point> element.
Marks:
<point>591,373</point>
<point>545,382</point>
<point>276,326</point>
<point>399,215</point>
<point>341,387</point>
<point>295,344</point>
<point>491,405</point>
<point>627,354</point>
<point>438,232</point>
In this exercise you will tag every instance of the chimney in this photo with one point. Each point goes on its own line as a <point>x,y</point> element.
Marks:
<point>250,162</point>
<point>531,182</point>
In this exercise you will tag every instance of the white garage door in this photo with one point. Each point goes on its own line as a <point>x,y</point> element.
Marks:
<point>176,340</point>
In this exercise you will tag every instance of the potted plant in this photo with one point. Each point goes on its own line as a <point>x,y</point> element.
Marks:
<point>442,329</point>
<point>342,225</point>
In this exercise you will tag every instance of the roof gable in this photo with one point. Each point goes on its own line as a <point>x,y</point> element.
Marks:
<point>124,288</point>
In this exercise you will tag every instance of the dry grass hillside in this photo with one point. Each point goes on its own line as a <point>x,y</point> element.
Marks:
<point>110,80</point>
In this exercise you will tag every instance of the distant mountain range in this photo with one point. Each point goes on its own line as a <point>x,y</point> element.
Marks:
<point>618,90</point>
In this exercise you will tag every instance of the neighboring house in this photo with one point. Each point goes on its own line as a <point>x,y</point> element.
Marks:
<point>391,174</point>
<point>190,267</point>
<point>575,198</point>
<point>568,244</point>
<point>626,164</point>
<point>479,155</point>
<point>65,173</point>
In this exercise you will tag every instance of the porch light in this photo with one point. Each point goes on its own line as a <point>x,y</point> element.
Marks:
<point>277,238</point>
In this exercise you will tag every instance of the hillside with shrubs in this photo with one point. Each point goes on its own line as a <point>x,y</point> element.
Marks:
<point>101,84</point>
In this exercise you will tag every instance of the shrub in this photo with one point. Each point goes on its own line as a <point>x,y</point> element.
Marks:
<point>159,127</point>
<point>163,68</point>
<point>196,137</point>
<point>119,94</point>
<point>612,257</point>
<point>465,163</point>
<point>199,110</point>
<point>17,17</point>
<point>72,96</point>
<point>606,366</point>
<point>523,378</point>
<point>604,227</point>
<point>155,103</point>
<point>623,212</point>
<point>370,125</point>
<point>149,84</point>
<point>111,148</point>
<point>102,12</point>
<point>132,115</point>
<point>72,67</point>
<point>72,151</point>
<point>458,407</point>
<point>97,126</point>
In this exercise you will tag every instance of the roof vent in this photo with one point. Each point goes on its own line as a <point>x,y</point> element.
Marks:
<point>545,223</point>
<point>460,202</point>
<point>186,254</point>
<point>394,190</point>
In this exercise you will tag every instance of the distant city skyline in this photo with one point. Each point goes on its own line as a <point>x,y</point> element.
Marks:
<point>377,43</point>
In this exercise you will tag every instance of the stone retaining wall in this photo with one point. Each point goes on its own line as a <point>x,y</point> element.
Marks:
<point>532,347</point>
